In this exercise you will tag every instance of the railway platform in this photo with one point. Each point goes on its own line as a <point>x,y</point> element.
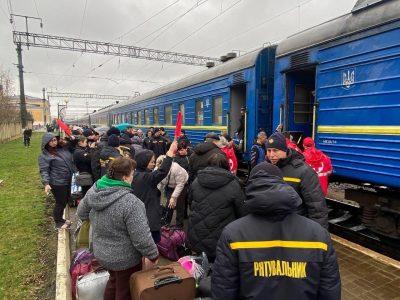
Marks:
<point>366,274</point>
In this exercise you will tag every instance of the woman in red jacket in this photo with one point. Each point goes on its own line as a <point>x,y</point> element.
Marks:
<point>317,160</point>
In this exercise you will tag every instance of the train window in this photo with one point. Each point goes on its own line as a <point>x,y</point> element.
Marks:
<point>146,117</point>
<point>302,105</point>
<point>156,115</point>
<point>134,118</point>
<point>217,110</point>
<point>199,112</point>
<point>139,116</point>
<point>168,115</point>
<point>182,110</point>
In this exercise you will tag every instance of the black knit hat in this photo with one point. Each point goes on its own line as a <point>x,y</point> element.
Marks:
<point>113,130</point>
<point>113,140</point>
<point>277,141</point>
<point>267,167</point>
<point>213,136</point>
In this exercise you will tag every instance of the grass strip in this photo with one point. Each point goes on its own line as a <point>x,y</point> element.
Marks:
<point>26,241</point>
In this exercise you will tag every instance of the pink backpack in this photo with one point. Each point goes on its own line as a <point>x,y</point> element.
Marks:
<point>173,243</point>
<point>81,264</point>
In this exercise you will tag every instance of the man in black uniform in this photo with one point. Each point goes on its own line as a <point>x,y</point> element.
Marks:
<point>300,176</point>
<point>273,253</point>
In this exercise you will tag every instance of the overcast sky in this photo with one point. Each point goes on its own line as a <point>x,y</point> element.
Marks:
<point>201,27</point>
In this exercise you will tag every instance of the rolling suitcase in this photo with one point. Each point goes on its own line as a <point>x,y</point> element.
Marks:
<point>171,282</point>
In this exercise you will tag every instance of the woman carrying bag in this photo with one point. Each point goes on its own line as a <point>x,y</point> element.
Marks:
<point>82,160</point>
<point>175,192</point>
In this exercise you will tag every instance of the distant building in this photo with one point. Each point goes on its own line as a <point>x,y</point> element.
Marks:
<point>37,107</point>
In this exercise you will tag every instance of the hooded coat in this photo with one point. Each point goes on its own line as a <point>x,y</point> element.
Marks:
<point>292,257</point>
<point>216,199</point>
<point>199,159</point>
<point>321,164</point>
<point>305,181</point>
<point>145,183</point>
<point>121,234</point>
<point>55,169</point>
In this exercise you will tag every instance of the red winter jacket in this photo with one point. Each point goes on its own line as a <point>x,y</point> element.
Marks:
<point>321,164</point>
<point>232,160</point>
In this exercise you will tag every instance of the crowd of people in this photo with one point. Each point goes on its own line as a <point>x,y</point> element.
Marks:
<point>264,236</point>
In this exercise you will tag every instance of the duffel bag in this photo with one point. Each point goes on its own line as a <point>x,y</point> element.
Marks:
<point>92,285</point>
<point>163,283</point>
<point>173,240</point>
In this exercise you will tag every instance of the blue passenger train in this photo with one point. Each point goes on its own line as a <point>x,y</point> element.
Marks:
<point>338,82</point>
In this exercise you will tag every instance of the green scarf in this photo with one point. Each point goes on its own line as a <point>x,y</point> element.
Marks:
<point>105,182</point>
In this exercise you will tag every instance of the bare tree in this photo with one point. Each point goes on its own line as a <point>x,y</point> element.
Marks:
<point>9,111</point>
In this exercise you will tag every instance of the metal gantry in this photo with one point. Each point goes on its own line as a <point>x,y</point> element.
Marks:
<point>72,44</point>
<point>92,96</point>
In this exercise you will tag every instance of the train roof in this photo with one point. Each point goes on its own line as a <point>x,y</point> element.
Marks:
<point>240,63</point>
<point>368,16</point>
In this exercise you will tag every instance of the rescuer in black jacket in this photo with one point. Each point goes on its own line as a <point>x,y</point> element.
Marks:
<point>300,176</point>
<point>274,253</point>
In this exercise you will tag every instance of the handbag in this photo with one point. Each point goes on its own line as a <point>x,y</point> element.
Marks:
<point>84,179</point>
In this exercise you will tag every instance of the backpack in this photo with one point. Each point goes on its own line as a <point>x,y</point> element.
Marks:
<point>173,243</point>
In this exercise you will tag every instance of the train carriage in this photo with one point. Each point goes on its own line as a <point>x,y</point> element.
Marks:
<point>209,101</point>
<point>339,82</point>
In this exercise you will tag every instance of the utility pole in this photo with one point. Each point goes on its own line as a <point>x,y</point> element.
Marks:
<point>44,106</point>
<point>22,105</point>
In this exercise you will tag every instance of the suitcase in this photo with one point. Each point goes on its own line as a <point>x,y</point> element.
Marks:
<point>171,282</point>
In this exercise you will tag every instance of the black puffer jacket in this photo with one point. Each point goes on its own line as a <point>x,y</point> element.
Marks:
<point>216,199</point>
<point>199,159</point>
<point>144,186</point>
<point>273,251</point>
<point>82,159</point>
<point>305,181</point>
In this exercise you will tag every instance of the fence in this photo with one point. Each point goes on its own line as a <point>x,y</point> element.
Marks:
<point>10,131</point>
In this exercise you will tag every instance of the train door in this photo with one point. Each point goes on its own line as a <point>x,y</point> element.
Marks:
<point>237,101</point>
<point>300,97</point>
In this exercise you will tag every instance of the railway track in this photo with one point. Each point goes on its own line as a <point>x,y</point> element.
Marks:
<point>344,221</point>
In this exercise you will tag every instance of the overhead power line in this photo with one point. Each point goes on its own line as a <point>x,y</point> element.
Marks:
<point>64,43</point>
<point>92,96</point>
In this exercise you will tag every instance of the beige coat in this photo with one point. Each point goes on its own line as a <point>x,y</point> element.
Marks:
<point>176,179</point>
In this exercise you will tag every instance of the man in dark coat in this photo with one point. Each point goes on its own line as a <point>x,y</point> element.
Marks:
<point>27,137</point>
<point>95,154</point>
<point>216,199</point>
<point>109,153</point>
<point>300,176</point>
<point>145,183</point>
<point>240,130</point>
<point>273,253</point>
<point>159,144</point>
<point>202,152</point>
